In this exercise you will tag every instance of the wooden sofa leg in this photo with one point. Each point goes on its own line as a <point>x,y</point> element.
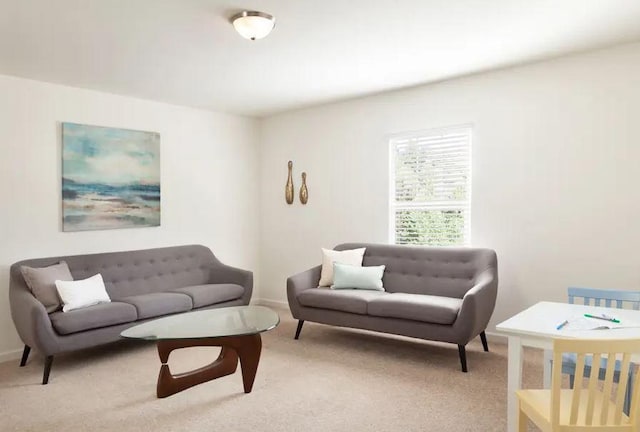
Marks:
<point>47,369</point>
<point>485,345</point>
<point>463,357</point>
<point>25,355</point>
<point>299,329</point>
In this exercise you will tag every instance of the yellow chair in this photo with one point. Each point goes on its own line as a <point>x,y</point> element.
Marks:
<point>598,406</point>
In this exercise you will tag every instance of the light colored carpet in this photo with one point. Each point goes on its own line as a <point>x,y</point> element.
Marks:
<point>330,380</point>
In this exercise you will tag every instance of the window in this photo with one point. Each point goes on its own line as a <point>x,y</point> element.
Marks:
<point>431,187</point>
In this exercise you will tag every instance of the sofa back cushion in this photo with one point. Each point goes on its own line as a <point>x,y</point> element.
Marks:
<point>439,271</point>
<point>140,271</point>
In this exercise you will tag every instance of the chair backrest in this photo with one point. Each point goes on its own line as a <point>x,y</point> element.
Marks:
<point>590,407</point>
<point>611,298</point>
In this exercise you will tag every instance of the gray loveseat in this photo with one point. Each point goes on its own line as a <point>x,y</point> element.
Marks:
<point>439,294</point>
<point>142,285</point>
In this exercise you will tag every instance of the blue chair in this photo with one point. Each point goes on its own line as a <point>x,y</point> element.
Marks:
<point>610,298</point>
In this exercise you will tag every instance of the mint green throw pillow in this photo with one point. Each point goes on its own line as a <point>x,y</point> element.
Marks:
<point>354,277</point>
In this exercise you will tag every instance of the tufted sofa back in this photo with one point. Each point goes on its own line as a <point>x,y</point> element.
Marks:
<point>440,271</point>
<point>137,272</point>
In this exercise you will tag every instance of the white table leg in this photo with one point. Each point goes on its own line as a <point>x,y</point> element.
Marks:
<point>514,381</point>
<point>546,368</point>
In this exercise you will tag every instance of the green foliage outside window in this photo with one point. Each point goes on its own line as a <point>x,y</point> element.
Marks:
<point>430,227</point>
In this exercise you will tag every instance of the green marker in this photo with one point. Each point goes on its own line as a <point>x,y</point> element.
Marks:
<point>603,317</point>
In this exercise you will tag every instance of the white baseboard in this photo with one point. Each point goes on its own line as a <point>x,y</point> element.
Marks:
<point>271,303</point>
<point>10,355</point>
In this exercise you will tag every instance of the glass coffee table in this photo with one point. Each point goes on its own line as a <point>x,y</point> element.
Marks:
<point>236,329</point>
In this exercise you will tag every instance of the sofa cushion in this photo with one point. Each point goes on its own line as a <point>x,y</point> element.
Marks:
<point>156,304</point>
<point>41,282</point>
<point>96,316</point>
<point>345,300</point>
<point>417,307</point>
<point>205,295</point>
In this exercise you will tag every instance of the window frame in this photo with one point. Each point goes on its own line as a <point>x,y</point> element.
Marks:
<point>422,133</point>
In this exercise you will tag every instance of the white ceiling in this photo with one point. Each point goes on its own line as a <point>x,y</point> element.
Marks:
<point>186,52</point>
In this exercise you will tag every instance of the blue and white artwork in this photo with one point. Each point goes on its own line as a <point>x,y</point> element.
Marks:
<point>110,178</point>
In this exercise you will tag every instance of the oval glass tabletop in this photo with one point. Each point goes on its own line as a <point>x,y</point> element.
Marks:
<point>228,321</point>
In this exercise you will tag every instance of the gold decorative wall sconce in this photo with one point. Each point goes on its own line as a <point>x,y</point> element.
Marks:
<point>304,192</point>
<point>288,189</point>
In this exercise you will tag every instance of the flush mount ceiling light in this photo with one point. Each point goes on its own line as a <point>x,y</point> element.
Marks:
<point>252,24</point>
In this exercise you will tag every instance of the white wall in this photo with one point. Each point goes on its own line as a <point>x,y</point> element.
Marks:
<point>208,174</point>
<point>555,157</point>
<point>556,187</point>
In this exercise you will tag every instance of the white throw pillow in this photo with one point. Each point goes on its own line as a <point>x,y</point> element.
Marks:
<point>82,293</point>
<point>329,257</point>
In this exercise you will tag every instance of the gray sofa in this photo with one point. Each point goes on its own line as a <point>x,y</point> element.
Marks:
<point>142,284</point>
<point>439,294</point>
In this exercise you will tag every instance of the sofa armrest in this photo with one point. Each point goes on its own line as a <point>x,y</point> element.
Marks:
<point>32,321</point>
<point>226,274</point>
<point>477,305</point>
<point>298,283</point>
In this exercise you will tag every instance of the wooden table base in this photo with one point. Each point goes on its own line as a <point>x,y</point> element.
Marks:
<point>247,348</point>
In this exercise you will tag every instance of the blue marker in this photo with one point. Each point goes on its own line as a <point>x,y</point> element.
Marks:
<point>562,325</point>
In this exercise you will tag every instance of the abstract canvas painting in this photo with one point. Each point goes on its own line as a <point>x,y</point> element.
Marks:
<point>110,178</point>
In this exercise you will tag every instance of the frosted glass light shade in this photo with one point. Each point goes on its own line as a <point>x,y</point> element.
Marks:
<point>253,25</point>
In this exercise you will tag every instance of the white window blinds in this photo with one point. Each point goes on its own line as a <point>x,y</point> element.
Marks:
<point>431,187</point>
